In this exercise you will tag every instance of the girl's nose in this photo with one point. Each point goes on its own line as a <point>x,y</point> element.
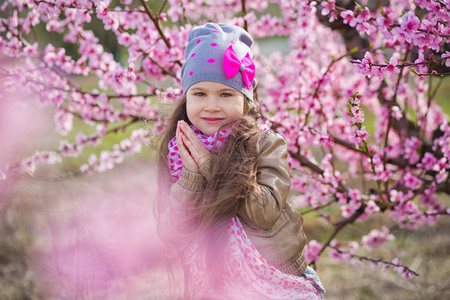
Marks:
<point>212,104</point>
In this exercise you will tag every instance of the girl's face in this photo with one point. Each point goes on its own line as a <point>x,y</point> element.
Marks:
<point>210,105</point>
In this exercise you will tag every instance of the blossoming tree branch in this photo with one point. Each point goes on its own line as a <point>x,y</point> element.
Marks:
<point>346,58</point>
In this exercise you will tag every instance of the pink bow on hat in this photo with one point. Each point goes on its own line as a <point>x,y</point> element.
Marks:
<point>232,65</point>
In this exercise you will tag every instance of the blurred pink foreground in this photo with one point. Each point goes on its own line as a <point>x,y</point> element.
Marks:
<point>92,237</point>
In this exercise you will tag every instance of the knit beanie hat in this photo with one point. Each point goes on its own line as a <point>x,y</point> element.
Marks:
<point>219,53</point>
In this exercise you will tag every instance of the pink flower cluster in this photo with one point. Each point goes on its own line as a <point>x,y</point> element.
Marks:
<point>356,115</point>
<point>350,257</point>
<point>108,159</point>
<point>377,238</point>
<point>28,165</point>
<point>345,256</point>
<point>312,251</point>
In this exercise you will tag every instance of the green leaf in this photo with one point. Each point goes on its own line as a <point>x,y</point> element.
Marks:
<point>414,71</point>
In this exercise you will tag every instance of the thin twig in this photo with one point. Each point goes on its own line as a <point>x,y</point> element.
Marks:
<point>244,14</point>
<point>373,260</point>
<point>341,225</point>
<point>155,21</point>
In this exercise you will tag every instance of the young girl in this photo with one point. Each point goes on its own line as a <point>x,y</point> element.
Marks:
<point>224,181</point>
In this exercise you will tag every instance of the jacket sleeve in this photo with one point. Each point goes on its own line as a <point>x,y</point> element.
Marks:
<point>263,208</point>
<point>174,220</point>
<point>189,185</point>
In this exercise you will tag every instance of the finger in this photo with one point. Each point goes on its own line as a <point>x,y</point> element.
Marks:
<point>187,158</point>
<point>177,132</point>
<point>196,148</point>
<point>182,147</point>
<point>193,144</point>
<point>190,134</point>
<point>191,140</point>
<point>187,143</point>
<point>187,130</point>
<point>181,144</point>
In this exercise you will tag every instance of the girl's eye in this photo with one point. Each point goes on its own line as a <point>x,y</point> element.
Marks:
<point>199,94</point>
<point>225,95</point>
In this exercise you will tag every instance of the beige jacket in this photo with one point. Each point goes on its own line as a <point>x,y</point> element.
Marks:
<point>273,225</point>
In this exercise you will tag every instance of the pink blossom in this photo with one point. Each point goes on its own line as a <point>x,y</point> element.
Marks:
<point>353,246</point>
<point>364,66</point>
<point>358,115</point>
<point>105,162</point>
<point>335,254</point>
<point>349,18</point>
<point>32,50</point>
<point>428,161</point>
<point>93,161</point>
<point>391,68</point>
<point>328,7</point>
<point>348,210</point>
<point>396,196</point>
<point>442,176</point>
<point>28,166</point>
<point>405,273</point>
<point>356,100</point>
<point>46,157</point>
<point>53,25</point>
<point>334,243</point>
<point>366,27</point>
<point>411,147</point>
<point>410,23</point>
<point>68,149</point>
<point>342,198</point>
<point>85,169</point>
<point>125,39</point>
<point>371,208</point>
<point>362,133</point>
<point>364,15</point>
<point>396,112</point>
<point>312,251</point>
<point>446,55</point>
<point>63,121</point>
<point>82,140</point>
<point>139,135</point>
<point>402,271</point>
<point>102,129</point>
<point>376,238</point>
<point>354,194</point>
<point>422,68</point>
<point>412,182</point>
<point>175,12</point>
<point>170,96</point>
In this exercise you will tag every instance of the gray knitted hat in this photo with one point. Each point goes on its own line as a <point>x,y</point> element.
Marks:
<point>219,53</point>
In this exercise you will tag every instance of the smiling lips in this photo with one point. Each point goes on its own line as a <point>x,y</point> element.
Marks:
<point>213,120</point>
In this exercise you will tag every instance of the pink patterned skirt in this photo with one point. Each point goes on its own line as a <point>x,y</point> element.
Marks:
<point>248,275</point>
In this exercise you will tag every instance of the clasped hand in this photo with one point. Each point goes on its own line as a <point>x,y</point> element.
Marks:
<point>192,151</point>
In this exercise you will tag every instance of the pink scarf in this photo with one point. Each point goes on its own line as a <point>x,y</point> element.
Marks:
<point>249,274</point>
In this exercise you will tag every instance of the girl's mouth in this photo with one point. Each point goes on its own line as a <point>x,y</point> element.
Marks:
<point>212,120</point>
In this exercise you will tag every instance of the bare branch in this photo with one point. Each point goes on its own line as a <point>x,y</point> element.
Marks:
<point>155,21</point>
<point>244,14</point>
<point>373,260</point>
